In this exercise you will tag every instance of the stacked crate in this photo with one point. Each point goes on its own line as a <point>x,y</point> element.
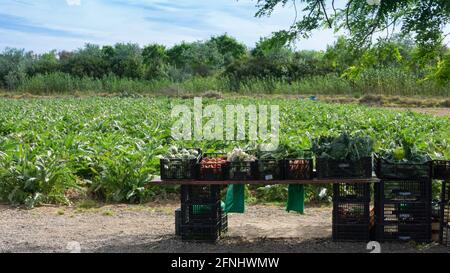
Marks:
<point>351,212</point>
<point>403,201</point>
<point>223,224</point>
<point>445,214</point>
<point>403,210</point>
<point>201,213</point>
<point>441,172</point>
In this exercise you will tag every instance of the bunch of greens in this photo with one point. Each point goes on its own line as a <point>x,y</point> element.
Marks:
<point>404,151</point>
<point>343,147</point>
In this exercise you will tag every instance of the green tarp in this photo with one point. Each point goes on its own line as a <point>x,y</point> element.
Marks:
<point>296,198</point>
<point>235,199</point>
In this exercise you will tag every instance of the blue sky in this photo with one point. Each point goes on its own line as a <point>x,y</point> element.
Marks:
<point>43,25</point>
<point>40,25</point>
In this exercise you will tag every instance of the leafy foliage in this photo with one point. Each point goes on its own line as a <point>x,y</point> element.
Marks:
<point>109,148</point>
<point>343,147</point>
<point>391,67</point>
<point>424,18</point>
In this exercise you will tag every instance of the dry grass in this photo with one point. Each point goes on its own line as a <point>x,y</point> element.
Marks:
<point>370,100</point>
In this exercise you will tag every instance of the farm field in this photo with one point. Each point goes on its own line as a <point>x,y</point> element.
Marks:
<point>59,150</point>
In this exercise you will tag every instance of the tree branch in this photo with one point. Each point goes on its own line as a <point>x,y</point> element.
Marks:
<point>347,15</point>
<point>325,12</point>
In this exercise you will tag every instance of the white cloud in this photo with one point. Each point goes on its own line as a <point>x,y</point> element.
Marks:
<point>73,2</point>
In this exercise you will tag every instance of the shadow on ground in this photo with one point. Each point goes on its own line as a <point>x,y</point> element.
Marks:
<point>173,244</point>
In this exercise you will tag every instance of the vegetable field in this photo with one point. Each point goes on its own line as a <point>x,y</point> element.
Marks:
<point>54,149</point>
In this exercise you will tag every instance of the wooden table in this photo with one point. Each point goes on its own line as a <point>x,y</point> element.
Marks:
<point>315,181</point>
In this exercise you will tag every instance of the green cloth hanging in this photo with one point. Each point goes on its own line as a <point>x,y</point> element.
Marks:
<point>235,199</point>
<point>296,198</point>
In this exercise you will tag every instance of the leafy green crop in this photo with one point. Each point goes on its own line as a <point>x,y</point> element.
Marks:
<point>109,147</point>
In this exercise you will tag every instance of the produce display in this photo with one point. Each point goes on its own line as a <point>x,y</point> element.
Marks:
<point>239,155</point>
<point>213,167</point>
<point>343,156</point>
<point>404,153</point>
<point>242,165</point>
<point>403,161</point>
<point>179,163</point>
<point>108,147</point>
<point>287,161</point>
<point>343,147</point>
<point>213,162</point>
<point>183,154</point>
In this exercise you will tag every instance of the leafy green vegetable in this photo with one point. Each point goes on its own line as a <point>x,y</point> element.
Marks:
<point>404,151</point>
<point>343,147</point>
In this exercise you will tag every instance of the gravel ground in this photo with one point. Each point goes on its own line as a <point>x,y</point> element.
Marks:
<point>150,228</point>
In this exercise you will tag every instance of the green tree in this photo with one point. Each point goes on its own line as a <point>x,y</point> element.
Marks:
<point>87,61</point>
<point>14,64</point>
<point>45,63</point>
<point>154,54</point>
<point>127,61</point>
<point>341,55</point>
<point>229,47</point>
<point>155,60</point>
<point>175,54</point>
<point>363,20</point>
<point>198,58</point>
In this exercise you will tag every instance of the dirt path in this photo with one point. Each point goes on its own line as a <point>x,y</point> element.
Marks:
<point>150,228</point>
<point>441,112</point>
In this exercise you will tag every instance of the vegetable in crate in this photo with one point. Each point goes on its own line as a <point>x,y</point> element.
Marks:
<point>296,163</point>
<point>403,160</point>
<point>344,156</point>
<point>211,168</point>
<point>343,147</point>
<point>238,155</point>
<point>213,162</point>
<point>177,162</point>
<point>175,153</point>
<point>240,164</point>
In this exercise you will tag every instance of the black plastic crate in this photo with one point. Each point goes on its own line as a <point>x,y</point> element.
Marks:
<point>404,232</point>
<point>209,171</point>
<point>441,169</point>
<point>351,192</point>
<point>351,213</point>
<point>404,213</point>
<point>408,171</point>
<point>178,220</point>
<point>445,214</point>
<point>270,169</point>
<point>351,221</point>
<point>298,169</point>
<point>329,168</point>
<point>180,169</point>
<point>351,233</point>
<point>200,213</point>
<point>224,223</point>
<point>200,194</point>
<point>403,190</point>
<point>201,232</point>
<point>243,171</point>
<point>445,235</point>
